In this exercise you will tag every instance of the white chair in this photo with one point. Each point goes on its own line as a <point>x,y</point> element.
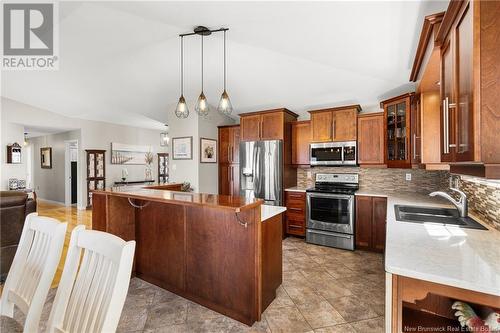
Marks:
<point>33,269</point>
<point>91,298</point>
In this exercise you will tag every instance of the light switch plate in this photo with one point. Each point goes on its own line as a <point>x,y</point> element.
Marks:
<point>408,176</point>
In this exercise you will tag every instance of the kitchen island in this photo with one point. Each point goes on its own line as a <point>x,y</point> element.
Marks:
<point>215,250</point>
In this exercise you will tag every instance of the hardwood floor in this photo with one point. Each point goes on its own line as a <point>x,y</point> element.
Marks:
<point>73,217</point>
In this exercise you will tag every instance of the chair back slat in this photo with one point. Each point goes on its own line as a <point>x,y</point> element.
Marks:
<point>86,294</point>
<point>33,268</point>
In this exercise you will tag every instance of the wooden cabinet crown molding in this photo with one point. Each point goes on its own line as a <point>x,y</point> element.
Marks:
<point>285,110</point>
<point>430,23</point>
<point>449,18</point>
<point>337,108</point>
<point>392,99</point>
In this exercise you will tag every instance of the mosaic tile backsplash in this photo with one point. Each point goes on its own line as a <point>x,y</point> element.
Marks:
<point>483,195</point>
<point>384,180</point>
<point>484,198</point>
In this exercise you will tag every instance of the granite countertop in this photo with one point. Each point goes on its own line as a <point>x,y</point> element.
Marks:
<point>183,198</point>
<point>464,258</point>
<point>296,189</point>
<point>268,211</point>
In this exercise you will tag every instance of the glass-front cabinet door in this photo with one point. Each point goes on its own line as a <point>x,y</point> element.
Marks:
<point>397,125</point>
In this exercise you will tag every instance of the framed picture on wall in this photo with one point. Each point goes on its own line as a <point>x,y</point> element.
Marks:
<point>208,150</point>
<point>182,148</point>
<point>46,157</point>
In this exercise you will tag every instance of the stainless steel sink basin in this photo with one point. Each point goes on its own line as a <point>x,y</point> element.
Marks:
<point>444,216</point>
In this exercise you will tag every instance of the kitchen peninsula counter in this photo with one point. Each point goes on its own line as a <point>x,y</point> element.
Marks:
<point>212,249</point>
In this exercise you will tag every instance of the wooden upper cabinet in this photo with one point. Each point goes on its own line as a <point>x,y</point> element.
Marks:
<point>397,131</point>
<point>464,88</point>
<point>344,125</point>
<point>229,144</point>
<point>265,125</point>
<point>371,139</point>
<point>447,106</point>
<point>250,127</point>
<point>301,137</point>
<point>322,126</point>
<point>272,125</point>
<point>224,145</point>
<point>235,144</point>
<point>334,124</point>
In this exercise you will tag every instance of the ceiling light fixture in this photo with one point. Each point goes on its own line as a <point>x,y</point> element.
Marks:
<point>202,107</point>
<point>225,106</point>
<point>182,111</point>
<point>164,137</point>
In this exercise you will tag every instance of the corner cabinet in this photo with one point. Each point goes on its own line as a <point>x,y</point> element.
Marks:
<point>371,139</point>
<point>397,131</point>
<point>229,168</point>
<point>96,172</point>
<point>334,124</point>
<point>301,138</point>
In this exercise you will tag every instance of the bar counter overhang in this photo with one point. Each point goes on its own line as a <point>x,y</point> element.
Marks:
<point>211,249</point>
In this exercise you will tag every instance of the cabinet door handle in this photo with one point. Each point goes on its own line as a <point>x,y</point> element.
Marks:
<point>229,153</point>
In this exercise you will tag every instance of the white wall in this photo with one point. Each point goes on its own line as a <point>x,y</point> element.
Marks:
<point>10,134</point>
<point>99,135</point>
<point>93,135</point>
<point>202,176</point>
<point>49,184</point>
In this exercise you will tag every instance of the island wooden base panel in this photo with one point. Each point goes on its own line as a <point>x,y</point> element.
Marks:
<point>201,253</point>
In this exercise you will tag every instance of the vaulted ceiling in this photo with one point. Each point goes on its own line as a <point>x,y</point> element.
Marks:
<point>119,61</point>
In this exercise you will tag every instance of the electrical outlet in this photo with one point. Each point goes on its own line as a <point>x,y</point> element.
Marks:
<point>408,176</point>
<point>309,175</point>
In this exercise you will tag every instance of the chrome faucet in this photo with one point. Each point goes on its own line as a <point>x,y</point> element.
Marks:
<point>461,204</point>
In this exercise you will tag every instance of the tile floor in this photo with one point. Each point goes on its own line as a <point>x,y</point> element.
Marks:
<point>324,290</point>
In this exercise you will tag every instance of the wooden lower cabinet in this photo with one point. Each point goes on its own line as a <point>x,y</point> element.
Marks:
<point>295,213</point>
<point>371,213</point>
<point>229,179</point>
<point>418,305</point>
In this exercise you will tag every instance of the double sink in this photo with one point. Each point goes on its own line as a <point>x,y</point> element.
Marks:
<point>437,215</point>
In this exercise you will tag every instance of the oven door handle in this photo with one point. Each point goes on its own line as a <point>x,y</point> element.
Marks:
<point>334,196</point>
<point>328,233</point>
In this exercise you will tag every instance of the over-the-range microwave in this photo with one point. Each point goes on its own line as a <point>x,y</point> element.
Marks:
<point>333,153</point>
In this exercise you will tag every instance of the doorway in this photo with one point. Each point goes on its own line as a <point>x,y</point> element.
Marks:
<point>71,172</point>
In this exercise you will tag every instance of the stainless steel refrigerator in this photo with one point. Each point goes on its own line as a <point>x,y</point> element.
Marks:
<point>261,171</point>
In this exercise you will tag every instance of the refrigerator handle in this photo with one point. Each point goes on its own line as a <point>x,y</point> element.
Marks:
<point>254,170</point>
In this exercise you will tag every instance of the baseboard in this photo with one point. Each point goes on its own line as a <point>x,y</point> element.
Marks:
<point>51,201</point>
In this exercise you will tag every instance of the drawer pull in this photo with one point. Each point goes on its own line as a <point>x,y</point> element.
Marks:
<point>296,209</point>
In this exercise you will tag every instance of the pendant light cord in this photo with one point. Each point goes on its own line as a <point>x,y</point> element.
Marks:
<point>182,65</point>
<point>201,63</point>
<point>224,60</point>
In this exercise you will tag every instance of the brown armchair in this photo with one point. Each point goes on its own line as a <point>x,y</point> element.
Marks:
<point>14,206</point>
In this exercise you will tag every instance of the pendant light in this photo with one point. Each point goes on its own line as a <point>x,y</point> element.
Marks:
<point>182,111</point>
<point>225,107</point>
<point>202,107</point>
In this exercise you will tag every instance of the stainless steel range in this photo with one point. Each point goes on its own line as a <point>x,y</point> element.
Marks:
<point>330,210</point>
